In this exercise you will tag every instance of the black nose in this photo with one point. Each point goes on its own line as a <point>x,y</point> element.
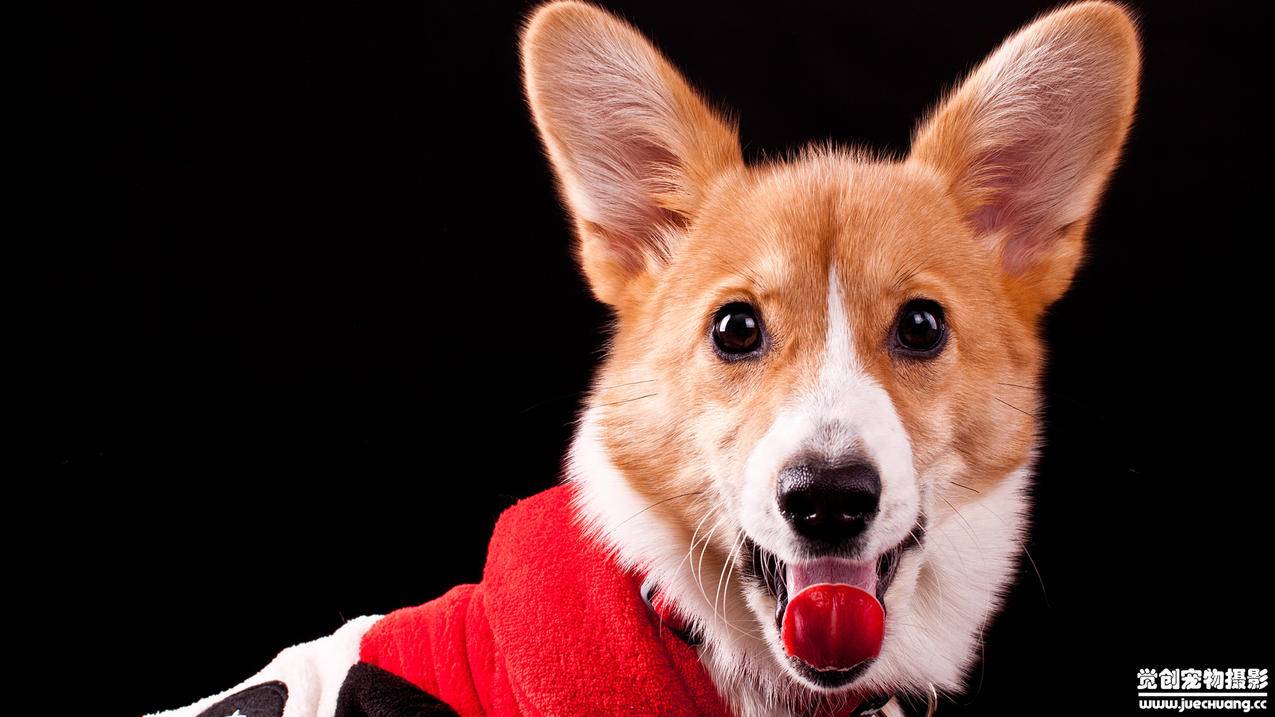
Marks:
<point>829,505</point>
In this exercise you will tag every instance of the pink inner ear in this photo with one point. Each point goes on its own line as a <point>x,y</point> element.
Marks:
<point>633,145</point>
<point>995,213</point>
<point>624,136</point>
<point>622,179</point>
<point>1031,136</point>
<point>1006,211</point>
<point>1046,171</point>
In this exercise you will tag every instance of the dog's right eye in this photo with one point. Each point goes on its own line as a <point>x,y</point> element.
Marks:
<point>736,330</point>
<point>921,328</point>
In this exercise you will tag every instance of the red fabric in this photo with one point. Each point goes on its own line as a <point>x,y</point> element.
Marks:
<point>555,628</point>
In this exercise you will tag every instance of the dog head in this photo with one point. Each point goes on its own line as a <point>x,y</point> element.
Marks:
<point>823,372</point>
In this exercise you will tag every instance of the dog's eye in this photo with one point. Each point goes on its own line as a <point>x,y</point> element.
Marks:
<point>736,330</point>
<point>921,329</point>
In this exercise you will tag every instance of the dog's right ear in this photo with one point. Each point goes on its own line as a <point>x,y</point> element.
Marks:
<point>1028,141</point>
<point>633,146</point>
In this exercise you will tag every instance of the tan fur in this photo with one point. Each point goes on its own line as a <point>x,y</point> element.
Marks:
<point>986,217</point>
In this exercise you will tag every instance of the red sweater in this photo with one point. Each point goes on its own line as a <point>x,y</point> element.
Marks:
<point>554,628</point>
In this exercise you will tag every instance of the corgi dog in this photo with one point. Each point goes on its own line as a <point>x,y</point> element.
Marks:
<point>799,430</point>
<point>797,448</point>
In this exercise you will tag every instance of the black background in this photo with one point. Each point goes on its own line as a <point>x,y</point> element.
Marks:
<point>314,323</point>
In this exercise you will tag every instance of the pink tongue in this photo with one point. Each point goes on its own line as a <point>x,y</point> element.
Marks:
<point>833,626</point>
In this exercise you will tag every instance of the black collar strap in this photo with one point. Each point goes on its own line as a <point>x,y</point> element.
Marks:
<point>871,705</point>
<point>667,615</point>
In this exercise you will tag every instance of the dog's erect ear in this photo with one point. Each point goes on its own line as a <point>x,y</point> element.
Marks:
<point>1028,140</point>
<point>634,148</point>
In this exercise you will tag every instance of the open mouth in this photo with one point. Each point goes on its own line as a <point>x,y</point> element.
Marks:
<point>829,611</point>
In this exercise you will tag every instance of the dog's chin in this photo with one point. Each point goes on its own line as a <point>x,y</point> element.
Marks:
<point>771,579</point>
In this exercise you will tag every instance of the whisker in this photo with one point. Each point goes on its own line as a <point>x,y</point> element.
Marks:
<point>1016,408</point>
<point>551,399</point>
<point>982,663</point>
<point>722,575</point>
<point>699,579</point>
<point>696,566</point>
<point>727,568</point>
<point>1039,578</point>
<point>699,571</point>
<point>955,550</point>
<point>576,394</point>
<point>622,385</point>
<point>694,535</point>
<point>1058,398</point>
<point>627,400</point>
<point>658,503</point>
<point>968,528</point>
<point>962,485</point>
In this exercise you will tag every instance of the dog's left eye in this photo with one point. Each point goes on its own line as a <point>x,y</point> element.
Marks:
<point>736,330</point>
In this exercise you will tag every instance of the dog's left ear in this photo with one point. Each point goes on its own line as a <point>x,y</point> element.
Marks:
<point>1028,140</point>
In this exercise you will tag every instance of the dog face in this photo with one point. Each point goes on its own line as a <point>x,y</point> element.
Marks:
<point>820,364</point>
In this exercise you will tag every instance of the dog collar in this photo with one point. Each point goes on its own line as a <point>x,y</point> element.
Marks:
<point>668,616</point>
<point>670,619</point>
